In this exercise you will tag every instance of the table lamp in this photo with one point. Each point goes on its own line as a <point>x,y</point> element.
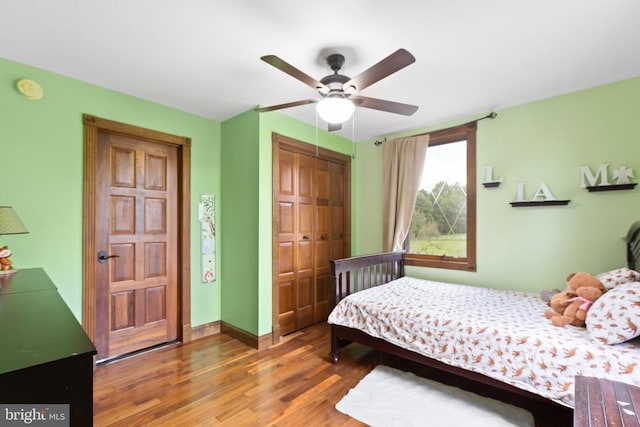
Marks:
<point>9,224</point>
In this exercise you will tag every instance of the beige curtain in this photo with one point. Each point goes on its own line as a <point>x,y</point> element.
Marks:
<point>403,163</point>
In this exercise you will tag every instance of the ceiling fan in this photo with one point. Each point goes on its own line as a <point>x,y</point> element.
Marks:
<point>339,92</point>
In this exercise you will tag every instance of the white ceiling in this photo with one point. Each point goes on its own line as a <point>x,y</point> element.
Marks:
<point>203,56</point>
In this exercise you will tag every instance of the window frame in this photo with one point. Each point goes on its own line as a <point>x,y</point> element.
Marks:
<point>454,134</point>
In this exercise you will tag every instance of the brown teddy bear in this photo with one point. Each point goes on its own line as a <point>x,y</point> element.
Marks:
<point>582,291</point>
<point>558,303</point>
<point>5,260</point>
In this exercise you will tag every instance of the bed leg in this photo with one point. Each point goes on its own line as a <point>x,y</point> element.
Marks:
<point>335,348</point>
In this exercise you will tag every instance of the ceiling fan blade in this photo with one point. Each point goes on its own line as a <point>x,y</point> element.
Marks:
<point>384,105</point>
<point>292,71</point>
<point>389,65</point>
<point>334,127</point>
<point>287,105</point>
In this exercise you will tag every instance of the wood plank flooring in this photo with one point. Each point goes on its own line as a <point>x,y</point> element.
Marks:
<point>218,381</point>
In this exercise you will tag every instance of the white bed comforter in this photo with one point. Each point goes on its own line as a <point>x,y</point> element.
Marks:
<point>501,334</point>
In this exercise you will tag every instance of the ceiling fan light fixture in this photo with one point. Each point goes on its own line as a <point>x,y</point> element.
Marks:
<point>337,91</point>
<point>335,109</point>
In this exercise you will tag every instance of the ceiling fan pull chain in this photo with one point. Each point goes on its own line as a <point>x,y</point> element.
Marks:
<point>353,136</point>
<point>316,134</point>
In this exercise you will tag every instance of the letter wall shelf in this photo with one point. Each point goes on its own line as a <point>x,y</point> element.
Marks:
<point>613,187</point>
<point>540,203</point>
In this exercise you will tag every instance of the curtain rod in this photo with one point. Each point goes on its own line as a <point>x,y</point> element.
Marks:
<point>491,115</point>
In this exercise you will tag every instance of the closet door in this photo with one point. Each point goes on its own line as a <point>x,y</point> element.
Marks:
<point>295,247</point>
<point>303,268</point>
<point>311,220</point>
<point>329,230</point>
<point>339,210</point>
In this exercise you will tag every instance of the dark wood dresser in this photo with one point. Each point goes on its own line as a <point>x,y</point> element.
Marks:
<point>601,403</point>
<point>45,355</point>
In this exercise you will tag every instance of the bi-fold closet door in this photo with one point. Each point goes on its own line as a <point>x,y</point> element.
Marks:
<point>310,230</point>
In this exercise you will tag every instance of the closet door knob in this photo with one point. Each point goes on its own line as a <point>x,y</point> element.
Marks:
<point>324,237</point>
<point>305,237</point>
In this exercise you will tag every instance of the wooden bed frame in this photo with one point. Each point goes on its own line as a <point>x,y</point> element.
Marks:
<point>355,274</point>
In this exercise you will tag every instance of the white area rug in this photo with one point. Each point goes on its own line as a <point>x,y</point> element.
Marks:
<point>389,397</point>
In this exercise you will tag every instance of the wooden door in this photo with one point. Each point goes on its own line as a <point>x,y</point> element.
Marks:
<point>138,299</point>
<point>137,208</point>
<point>310,210</point>
<point>329,230</point>
<point>295,248</point>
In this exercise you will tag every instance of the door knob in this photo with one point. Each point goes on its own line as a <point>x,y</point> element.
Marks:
<point>305,237</point>
<point>324,237</point>
<point>103,257</point>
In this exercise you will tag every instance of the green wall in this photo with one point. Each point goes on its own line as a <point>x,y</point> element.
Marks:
<point>41,147</point>
<point>247,212</point>
<point>239,211</point>
<point>533,248</point>
<point>522,248</point>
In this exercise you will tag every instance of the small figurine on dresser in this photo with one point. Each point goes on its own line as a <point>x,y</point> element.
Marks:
<point>5,259</point>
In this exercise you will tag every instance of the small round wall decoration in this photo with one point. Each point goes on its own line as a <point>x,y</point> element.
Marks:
<point>30,89</point>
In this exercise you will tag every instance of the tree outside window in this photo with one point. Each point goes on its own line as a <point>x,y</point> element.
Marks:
<point>442,230</point>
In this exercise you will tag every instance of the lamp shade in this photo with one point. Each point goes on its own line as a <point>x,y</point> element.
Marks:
<point>9,222</point>
<point>335,109</point>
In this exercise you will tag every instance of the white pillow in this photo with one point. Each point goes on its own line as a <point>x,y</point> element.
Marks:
<point>613,278</point>
<point>615,316</point>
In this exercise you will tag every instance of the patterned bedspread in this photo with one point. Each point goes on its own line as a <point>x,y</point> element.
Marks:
<point>501,334</point>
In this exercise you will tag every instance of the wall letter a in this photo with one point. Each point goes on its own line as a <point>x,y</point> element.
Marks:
<point>543,193</point>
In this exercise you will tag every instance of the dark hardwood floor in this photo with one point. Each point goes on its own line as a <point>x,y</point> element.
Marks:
<point>218,381</point>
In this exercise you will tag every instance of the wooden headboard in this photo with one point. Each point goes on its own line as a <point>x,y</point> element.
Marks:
<point>633,246</point>
<point>362,272</point>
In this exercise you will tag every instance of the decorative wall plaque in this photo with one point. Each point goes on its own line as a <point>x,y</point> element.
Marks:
<point>207,217</point>
<point>542,197</point>
<point>600,180</point>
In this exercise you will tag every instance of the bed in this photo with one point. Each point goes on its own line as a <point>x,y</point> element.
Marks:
<point>495,337</point>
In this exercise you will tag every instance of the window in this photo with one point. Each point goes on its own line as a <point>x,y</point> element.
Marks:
<point>443,226</point>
